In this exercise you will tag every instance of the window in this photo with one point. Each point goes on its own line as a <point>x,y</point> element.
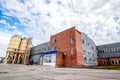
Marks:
<point>117,49</point>
<point>108,50</point>
<point>112,50</point>
<point>42,49</point>
<point>45,48</point>
<point>83,41</point>
<point>119,61</point>
<point>115,61</point>
<point>103,51</point>
<point>112,62</point>
<point>93,60</point>
<point>90,60</point>
<point>54,48</point>
<point>54,40</point>
<point>99,51</point>
<point>88,44</point>
<point>92,48</point>
<point>71,40</point>
<point>92,55</point>
<point>39,50</point>
<point>72,51</point>
<point>85,59</point>
<point>89,53</point>
<point>106,62</point>
<point>47,59</point>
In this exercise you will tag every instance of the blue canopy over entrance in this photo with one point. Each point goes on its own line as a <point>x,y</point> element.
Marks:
<point>50,52</point>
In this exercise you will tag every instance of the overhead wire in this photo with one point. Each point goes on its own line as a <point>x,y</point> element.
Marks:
<point>78,13</point>
<point>75,16</point>
<point>75,13</point>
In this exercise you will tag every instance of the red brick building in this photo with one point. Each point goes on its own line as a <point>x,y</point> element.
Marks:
<point>69,42</point>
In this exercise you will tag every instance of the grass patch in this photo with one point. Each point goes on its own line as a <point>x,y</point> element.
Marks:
<point>104,67</point>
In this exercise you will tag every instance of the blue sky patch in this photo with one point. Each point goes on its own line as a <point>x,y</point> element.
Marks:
<point>0,14</point>
<point>11,20</point>
<point>47,1</point>
<point>116,18</point>
<point>48,14</point>
<point>59,2</point>
<point>36,14</point>
<point>22,1</point>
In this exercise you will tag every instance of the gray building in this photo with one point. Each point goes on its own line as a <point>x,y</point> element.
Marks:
<point>109,54</point>
<point>109,50</point>
<point>36,51</point>
<point>89,50</point>
<point>37,56</point>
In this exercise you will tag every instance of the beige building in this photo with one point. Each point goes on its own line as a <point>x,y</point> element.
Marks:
<point>18,50</point>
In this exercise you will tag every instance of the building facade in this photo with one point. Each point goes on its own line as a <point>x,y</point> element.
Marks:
<point>77,53</point>
<point>75,48</point>
<point>89,51</point>
<point>109,54</point>
<point>39,58</point>
<point>78,49</point>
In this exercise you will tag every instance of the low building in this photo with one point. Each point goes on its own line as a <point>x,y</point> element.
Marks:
<point>37,55</point>
<point>109,54</point>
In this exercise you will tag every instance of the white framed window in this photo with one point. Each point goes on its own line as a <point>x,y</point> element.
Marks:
<point>72,40</point>
<point>54,40</point>
<point>72,51</point>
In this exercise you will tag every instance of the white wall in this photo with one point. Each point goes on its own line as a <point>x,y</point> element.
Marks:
<point>89,51</point>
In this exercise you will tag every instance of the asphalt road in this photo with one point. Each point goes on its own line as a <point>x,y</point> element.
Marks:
<point>37,72</point>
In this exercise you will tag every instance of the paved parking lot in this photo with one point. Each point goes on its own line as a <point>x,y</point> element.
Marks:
<point>37,72</point>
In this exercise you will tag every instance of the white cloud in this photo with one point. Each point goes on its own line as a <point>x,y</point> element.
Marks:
<point>3,22</point>
<point>5,38</point>
<point>40,20</point>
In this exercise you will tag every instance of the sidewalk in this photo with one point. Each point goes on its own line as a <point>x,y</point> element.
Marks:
<point>37,72</point>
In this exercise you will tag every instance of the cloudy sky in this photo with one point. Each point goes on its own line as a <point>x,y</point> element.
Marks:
<point>39,19</point>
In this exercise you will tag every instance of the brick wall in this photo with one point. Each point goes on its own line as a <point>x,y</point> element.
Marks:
<point>79,50</point>
<point>115,61</point>
<point>101,61</point>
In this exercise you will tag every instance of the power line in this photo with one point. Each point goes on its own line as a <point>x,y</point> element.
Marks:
<point>75,15</point>
<point>74,12</point>
<point>78,12</point>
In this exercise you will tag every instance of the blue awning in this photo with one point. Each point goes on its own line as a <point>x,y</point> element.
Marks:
<point>49,52</point>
